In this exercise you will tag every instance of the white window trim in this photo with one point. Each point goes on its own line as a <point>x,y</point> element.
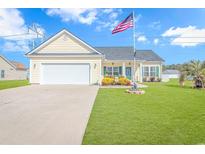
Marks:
<point>1,74</point>
<point>112,70</point>
<point>154,72</point>
<point>118,70</point>
<point>150,70</point>
<point>146,71</point>
<point>107,70</point>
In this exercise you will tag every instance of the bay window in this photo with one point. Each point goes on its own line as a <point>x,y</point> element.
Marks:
<point>145,71</point>
<point>153,71</point>
<point>150,71</point>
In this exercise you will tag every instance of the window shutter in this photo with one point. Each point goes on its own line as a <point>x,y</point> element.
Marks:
<point>142,71</point>
<point>120,70</point>
<point>157,68</point>
<point>104,70</point>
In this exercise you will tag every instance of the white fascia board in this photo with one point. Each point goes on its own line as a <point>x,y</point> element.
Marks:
<point>56,36</point>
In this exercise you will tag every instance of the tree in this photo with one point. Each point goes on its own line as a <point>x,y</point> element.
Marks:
<point>197,70</point>
<point>184,72</point>
<point>182,79</point>
<point>194,69</point>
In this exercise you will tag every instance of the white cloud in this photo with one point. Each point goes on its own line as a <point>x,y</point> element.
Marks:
<point>156,41</point>
<point>12,26</point>
<point>107,10</point>
<point>107,20</point>
<point>185,36</point>
<point>84,16</point>
<point>142,38</point>
<point>155,25</point>
<point>103,18</point>
<point>113,15</point>
<point>16,46</point>
<point>11,22</point>
<point>102,25</point>
<point>137,18</point>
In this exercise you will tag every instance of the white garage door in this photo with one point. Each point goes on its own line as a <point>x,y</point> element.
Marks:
<point>65,74</point>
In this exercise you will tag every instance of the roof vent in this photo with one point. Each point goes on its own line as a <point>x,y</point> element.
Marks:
<point>65,37</point>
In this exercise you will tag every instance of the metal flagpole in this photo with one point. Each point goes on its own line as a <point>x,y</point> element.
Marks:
<point>134,45</point>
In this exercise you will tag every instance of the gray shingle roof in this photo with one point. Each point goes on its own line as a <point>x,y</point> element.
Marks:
<point>116,53</point>
<point>126,53</point>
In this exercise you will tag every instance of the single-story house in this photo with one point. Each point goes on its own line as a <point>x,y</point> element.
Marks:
<point>66,59</point>
<point>171,74</point>
<point>12,70</point>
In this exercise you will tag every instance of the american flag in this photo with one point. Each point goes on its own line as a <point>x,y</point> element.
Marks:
<point>125,24</point>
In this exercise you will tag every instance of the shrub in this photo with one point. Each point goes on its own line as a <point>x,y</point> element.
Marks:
<point>108,81</point>
<point>159,79</point>
<point>124,81</point>
<point>115,81</point>
<point>152,79</point>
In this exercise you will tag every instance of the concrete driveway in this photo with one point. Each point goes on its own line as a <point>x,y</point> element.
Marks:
<point>54,114</point>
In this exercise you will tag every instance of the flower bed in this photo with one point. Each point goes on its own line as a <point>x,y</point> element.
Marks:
<point>116,81</point>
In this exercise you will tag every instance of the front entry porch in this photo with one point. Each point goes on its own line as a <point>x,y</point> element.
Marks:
<point>122,68</point>
<point>143,71</point>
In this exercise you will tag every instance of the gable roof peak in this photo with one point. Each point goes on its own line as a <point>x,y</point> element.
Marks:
<point>8,61</point>
<point>58,34</point>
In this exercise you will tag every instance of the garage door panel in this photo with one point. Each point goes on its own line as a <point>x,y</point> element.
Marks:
<point>65,73</point>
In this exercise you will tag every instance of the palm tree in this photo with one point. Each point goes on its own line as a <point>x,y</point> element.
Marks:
<point>197,70</point>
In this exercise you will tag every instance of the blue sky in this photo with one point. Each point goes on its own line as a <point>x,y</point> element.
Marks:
<point>177,35</point>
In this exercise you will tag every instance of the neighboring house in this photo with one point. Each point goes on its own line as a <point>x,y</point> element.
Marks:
<point>171,74</point>
<point>12,70</point>
<point>66,59</point>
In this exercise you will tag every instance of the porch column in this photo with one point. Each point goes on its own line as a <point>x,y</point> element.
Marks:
<point>123,69</point>
<point>160,70</point>
<point>140,73</point>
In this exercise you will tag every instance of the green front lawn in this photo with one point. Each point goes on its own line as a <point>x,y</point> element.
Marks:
<point>165,114</point>
<point>13,83</point>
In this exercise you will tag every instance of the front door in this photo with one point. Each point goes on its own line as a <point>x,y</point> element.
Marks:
<point>128,73</point>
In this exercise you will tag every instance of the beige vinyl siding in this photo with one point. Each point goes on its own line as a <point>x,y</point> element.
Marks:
<point>10,72</point>
<point>95,67</point>
<point>64,44</point>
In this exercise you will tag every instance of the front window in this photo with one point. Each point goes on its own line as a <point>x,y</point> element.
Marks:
<point>109,71</point>
<point>116,71</point>
<point>146,71</point>
<point>2,73</point>
<point>113,71</point>
<point>153,71</point>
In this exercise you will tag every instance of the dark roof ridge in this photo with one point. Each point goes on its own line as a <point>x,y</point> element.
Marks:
<point>123,47</point>
<point>112,46</point>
